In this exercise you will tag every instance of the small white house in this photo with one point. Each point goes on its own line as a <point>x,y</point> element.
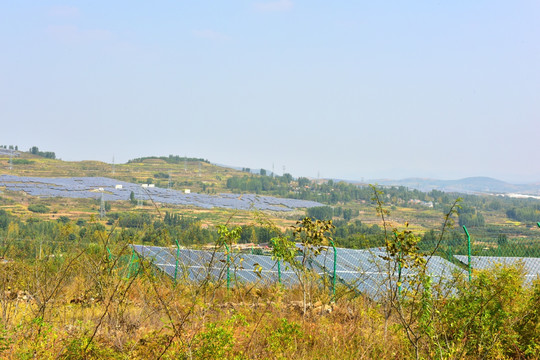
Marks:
<point>118,186</point>
<point>187,191</point>
<point>144,185</point>
<point>151,185</point>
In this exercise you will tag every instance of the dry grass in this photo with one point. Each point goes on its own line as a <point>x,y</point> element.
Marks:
<point>82,309</point>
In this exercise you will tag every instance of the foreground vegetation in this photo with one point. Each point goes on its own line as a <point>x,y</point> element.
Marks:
<point>96,299</point>
<point>72,288</point>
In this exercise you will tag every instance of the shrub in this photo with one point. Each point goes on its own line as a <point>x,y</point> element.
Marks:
<point>283,339</point>
<point>22,162</point>
<point>480,320</point>
<point>216,342</point>
<point>38,208</point>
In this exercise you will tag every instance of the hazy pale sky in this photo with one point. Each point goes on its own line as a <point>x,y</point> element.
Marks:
<point>347,89</point>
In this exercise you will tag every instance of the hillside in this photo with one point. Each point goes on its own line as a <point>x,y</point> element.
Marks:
<point>197,175</point>
<point>203,180</point>
<point>351,204</point>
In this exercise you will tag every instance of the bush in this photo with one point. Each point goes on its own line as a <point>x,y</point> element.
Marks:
<point>22,162</point>
<point>216,342</point>
<point>283,338</point>
<point>320,213</point>
<point>38,208</point>
<point>5,219</point>
<point>493,316</point>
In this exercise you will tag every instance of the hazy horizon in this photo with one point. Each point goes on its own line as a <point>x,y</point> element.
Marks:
<point>350,90</point>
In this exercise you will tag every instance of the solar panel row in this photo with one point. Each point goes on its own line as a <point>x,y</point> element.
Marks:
<point>363,271</point>
<point>531,266</point>
<point>88,187</point>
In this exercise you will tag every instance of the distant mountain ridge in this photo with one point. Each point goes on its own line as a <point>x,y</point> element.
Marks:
<point>480,184</point>
<point>469,185</point>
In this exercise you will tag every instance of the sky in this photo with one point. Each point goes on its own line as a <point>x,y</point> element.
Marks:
<point>337,89</point>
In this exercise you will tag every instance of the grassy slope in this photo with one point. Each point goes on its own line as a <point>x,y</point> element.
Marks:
<point>197,176</point>
<point>193,175</point>
<point>211,175</point>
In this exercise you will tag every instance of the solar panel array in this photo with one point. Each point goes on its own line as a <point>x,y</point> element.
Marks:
<point>531,266</point>
<point>8,152</point>
<point>88,187</point>
<point>362,271</point>
<point>200,265</point>
<point>367,271</point>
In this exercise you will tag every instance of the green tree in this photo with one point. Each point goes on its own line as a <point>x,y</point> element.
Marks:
<point>287,177</point>
<point>132,198</point>
<point>502,240</point>
<point>314,236</point>
<point>38,208</point>
<point>320,212</point>
<point>303,181</point>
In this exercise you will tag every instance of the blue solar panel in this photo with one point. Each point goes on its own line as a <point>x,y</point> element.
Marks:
<point>531,266</point>
<point>198,265</point>
<point>364,271</point>
<point>88,187</point>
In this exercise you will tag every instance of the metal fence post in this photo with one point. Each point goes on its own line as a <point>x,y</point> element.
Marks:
<point>399,264</point>
<point>228,266</point>
<point>468,249</point>
<point>279,271</point>
<point>273,241</point>
<point>334,272</point>
<point>177,256</point>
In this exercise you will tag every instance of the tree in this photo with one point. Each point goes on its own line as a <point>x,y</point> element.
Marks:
<point>320,212</point>
<point>348,214</point>
<point>502,240</point>
<point>414,303</point>
<point>287,177</point>
<point>46,154</point>
<point>314,236</point>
